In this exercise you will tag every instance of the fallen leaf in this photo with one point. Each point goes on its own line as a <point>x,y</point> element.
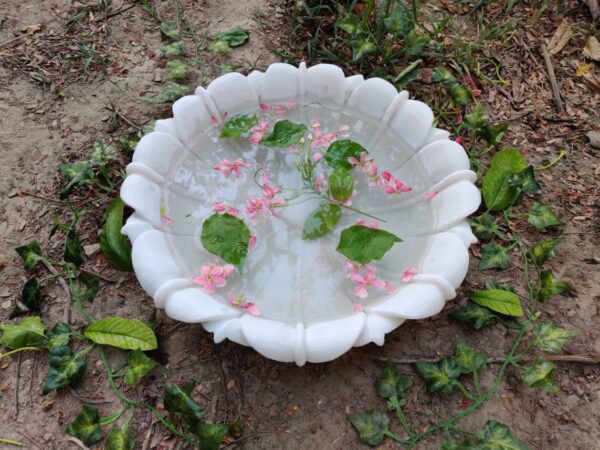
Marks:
<point>561,37</point>
<point>30,29</point>
<point>582,69</point>
<point>592,49</point>
<point>593,82</point>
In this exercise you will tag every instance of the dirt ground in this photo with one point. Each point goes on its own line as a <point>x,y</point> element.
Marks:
<point>50,112</point>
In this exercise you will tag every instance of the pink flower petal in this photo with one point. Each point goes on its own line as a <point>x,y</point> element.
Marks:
<point>459,140</point>
<point>389,287</point>
<point>252,309</point>
<point>252,243</point>
<point>264,106</point>
<point>358,308</point>
<point>213,120</point>
<point>408,274</point>
<point>361,291</point>
<point>315,123</point>
<point>228,270</point>
<point>318,157</point>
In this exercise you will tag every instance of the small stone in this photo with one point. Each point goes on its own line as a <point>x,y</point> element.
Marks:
<point>594,137</point>
<point>7,304</point>
<point>5,292</point>
<point>91,249</point>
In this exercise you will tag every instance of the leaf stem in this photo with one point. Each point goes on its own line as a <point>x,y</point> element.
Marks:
<point>461,387</point>
<point>395,437</point>
<point>11,442</point>
<point>12,352</point>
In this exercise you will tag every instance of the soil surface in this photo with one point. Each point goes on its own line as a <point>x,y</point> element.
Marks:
<point>52,109</point>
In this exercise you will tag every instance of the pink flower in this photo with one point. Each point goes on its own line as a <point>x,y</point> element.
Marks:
<point>167,220</point>
<point>408,274</point>
<point>318,157</point>
<point>389,287</point>
<point>259,131</point>
<point>252,243</point>
<point>365,163</point>
<point>343,131</point>
<point>251,308</point>
<point>358,308</point>
<point>392,185</point>
<point>266,176</point>
<point>213,276</point>
<point>430,195</point>
<point>221,207</point>
<point>315,123</point>
<point>459,140</point>
<point>365,223</point>
<point>320,183</point>
<point>271,203</point>
<point>241,302</point>
<point>364,282</point>
<point>264,106</point>
<point>213,120</point>
<point>279,110</point>
<point>229,167</point>
<point>270,190</point>
<point>255,207</point>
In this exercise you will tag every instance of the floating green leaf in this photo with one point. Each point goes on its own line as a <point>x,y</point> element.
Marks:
<point>227,237</point>
<point>238,126</point>
<point>550,285</point>
<point>494,257</point>
<point>77,174</point>
<point>440,376</point>
<point>442,75</point>
<point>64,368</point>
<point>114,245</point>
<point>173,49</point>
<point>499,300</point>
<point>338,153</point>
<point>370,425</point>
<point>127,334</point>
<point>484,226</point>
<point>28,333</point>
<point>497,190</point>
<point>468,359</point>
<point>284,134</point>
<point>88,286</point>
<point>542,252</point>
<point>362,47</point>
<point>172,91</point>
<point>398,23</point>
<point>392,382</point>
<point>211,435</point>
<point>86,426</point>
<point>138,365</point>
<point>363,244</point>
<point>473,314</point>
<point>460,95</point>
<point>168,31</point>
<point>493,134</point>
<point>120,438</point>
<point>497,436</point>
<point>542,217</point>
<point>31,253</point>
<point>179,403</point>
<point>30,298</point>
<point>340,184</point>
<point>321,221</point>
<point>233,38</point>
<point>73,249</point>
<point>525,181</point>
<point>539,375</point>
<point>101,153</point>
<point>549,338</point>
<point>349,23</point>
<point>176,69</point>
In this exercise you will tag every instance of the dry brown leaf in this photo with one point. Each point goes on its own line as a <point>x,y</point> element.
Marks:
<point>31,29</point>
<point>593,82</point>
<point>592,49</point>
<point>561,37</point>
<point>582,69</point>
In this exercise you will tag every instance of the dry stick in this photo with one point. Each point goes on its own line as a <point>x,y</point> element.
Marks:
<point>589,358</point>
<point>18,376</point>
<point>63,284</point>
<point>91,401</point>
<point>29,438</point>
<point>552,77</point>
<point>118,11</point>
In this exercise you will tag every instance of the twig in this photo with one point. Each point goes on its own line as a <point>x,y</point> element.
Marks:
<point>91,401</point>
<point>63,284</point>
<point>408,69</point>
<point>29,438</point>
<point>148,435</point>
<point>50,199</point>
<point>552,77</point>
<point>521,114</point>
<point>118,11</point>
<point>97,275</point>
<point>18,376</point>
<point>77,442</point>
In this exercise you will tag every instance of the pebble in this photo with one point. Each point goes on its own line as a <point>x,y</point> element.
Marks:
<point>91,249</point>
<point>5,292</point>
<point>594,137</point>
<point>7,304</point>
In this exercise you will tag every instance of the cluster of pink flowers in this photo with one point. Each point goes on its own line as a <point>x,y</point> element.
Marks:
<point>259,131</point>
<point>363,275</point>
<point>213,276</point>
<point>392,185</point>
<point>389,183</point>
<point>229,167</point>
<point>241,301</point>
<point>265,204</point>
<point>221,207</point>
<point>321,140</point>
<point>278,110</point>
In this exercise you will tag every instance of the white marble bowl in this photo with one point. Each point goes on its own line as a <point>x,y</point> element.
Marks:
<point>308,311</point>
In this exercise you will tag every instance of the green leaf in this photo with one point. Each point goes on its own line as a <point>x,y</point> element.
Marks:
<point>497,191</point>
<point>219,47</point>
<point>30,299</point>
<point>284,134</point>
<point>173,49</point>
<point>477,118</point>
<point>464,445</point>
<point>172,91</point>
<point>321,221</point>
<point>398,23</point>
<point>484,226</point>
<point>392,382</point>
<point>58,336</point>
<point>28,333</point>
<point>525,181</point>
<point>120,438</point>
<point>31,253</point>
<point>550,286</point>
<point>370,425</point>
<point>468,359</point>
<point>101,153</point>
<point>138,365</point>
<point>179,404</point>
<point>363,244</point>
<point>349,23</point>
<point>238,126</point>
<point>338,153</point>
<point>440,376</point>
<point>227,237</point>
<point>493,134</point>
<point>362,47</point>
<point>86,426</point>
<point>460,95</point>
<point>211,435</point>
<point>497,436</point>
<point>409,76</point>
<point>114,245</point>
<point>474,315</point>
<point>64,368</point>
<point>340,184</point>
<point>494,257</point>
<point>176,70</point>
<point>77,174</point>
<point>542,252</point>
<point>226,68</point>
<point>127,334</point>
<point>549,338</point>
<point>234,38</point>
<point>89,286</point>
<point>168,31</point>
<point>415,42</point>
<point>73,249</point>
<point>542,217</point>
<point>499,300</point>
<point>539,375</point>
<point>442,75</point>
<point>491,284</point>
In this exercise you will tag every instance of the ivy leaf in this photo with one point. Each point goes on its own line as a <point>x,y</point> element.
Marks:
<point>30,299</point>
<point>370,425</point>
<point>101,153</point>
<point>474,315</point>
<point>89,286</point>
<point>491,284</point>
<point>361,47</point>
<point>227,237</point>
<point>484,226</point>
<point>539,375</point>
<point>464,445</point>
<point>415,42</point>
<point>392,382</point>
<point>233,38</point>
<point>31,253</point>
<point>460,95</point>
<point>179,403</point>
<point>284,134</point>
<point>168,31</point>
<point>77,174</point>
<point>172,92</point>
<point>442,75</point>
<point>476,119</point>
<point>363,244</point>
<point>440,376</point>
<point>340,184</point>
<point>176,70</point>
<point>349,23</point>
<point>126,334</point>
<point>542,217</point>
<point>138,365</point>
<point>525,181</point>
<point>219,47</point>
<point>321,221</point>
<point>398,23</point>
<point>58,336</point>
<point>114,245</point>
<point>550,286</point>
<point>494,257</point>
<point>120,438</point>
<point>173,49</point>
<point>238,126</point>
<point>497,190</point>
<point>549,338</point>
<point>86,426</point>
<point>493,134</point>
<point>542,252</point>
<point>468,359</point>
<point>497,436</point>
<point>211,435</point>
<point>64,368</point>
<point>338,153</point>
<point>73,249</point>
<point>28,333</point>
<point>499,300</point>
